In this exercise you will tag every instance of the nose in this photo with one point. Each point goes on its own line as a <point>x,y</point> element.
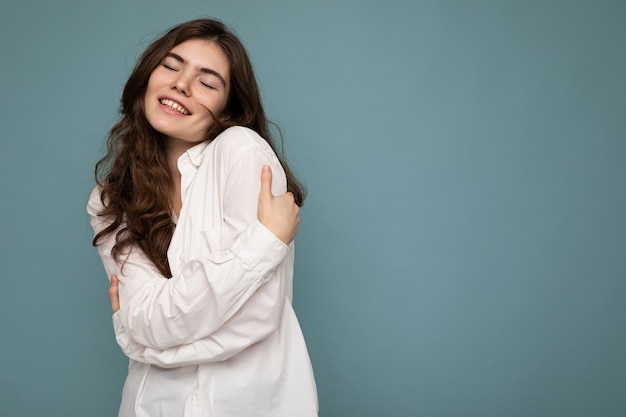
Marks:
<point>182,83</point>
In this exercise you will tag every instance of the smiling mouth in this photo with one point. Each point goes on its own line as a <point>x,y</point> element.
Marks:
<point>174,106</point>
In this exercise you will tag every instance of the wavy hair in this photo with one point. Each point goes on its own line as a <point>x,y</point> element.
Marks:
<point>134,175</point>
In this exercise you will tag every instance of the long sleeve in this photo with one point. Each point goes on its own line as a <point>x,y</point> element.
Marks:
<point>219,303</point>
<point>255,321</point>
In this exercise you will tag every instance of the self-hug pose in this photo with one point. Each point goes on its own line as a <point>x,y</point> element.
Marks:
<point>194,217</point>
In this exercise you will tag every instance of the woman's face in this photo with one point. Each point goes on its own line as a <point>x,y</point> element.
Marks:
<point>191,82</point>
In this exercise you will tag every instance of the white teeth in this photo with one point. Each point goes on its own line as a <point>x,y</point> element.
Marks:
<point>174,106</point>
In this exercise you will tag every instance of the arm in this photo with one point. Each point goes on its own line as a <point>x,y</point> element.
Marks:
<point>257,319</point>
<point>159,313</point>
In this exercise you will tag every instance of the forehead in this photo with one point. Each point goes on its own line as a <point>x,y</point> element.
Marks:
<point>203,54</point>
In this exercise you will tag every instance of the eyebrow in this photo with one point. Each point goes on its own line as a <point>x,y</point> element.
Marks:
<point>202,69</point>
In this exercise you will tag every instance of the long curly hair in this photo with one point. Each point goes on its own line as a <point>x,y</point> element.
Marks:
<point>134,176</point>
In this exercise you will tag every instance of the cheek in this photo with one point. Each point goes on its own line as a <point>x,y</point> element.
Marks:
<point>157,80</point>
<point>223,106</point>
<point>152,81</point>
<point>216,105</point>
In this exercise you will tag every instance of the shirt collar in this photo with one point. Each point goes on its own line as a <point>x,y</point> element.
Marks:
<point>196,153</point>
<point>188,164</point>
<point>192,158</point>
<point>190,161</point>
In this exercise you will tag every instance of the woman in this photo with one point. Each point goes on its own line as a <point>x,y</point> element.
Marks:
<point>202,249</point>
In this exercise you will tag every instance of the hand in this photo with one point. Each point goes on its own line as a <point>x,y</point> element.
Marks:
<point>114,294</point>
<point>279,214</point>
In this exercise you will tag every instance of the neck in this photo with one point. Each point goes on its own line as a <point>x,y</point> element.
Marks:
<point>175,148</point>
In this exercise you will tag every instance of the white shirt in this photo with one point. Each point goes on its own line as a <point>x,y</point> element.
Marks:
<point>219,338</point>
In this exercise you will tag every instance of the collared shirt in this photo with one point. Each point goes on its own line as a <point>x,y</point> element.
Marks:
<point>219,338</point>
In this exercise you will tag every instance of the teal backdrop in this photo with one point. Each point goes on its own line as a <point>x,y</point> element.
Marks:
<point>462,251</point>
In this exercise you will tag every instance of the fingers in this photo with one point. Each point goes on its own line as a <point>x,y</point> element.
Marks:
<point>266,181</point>
<point>279,214</point>
<point>289,196</point>
<point>114,294</point>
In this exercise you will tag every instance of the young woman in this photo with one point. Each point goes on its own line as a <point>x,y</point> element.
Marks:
<point>202,249</point>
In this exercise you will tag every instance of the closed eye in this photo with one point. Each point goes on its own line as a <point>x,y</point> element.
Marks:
<point>208,85</point>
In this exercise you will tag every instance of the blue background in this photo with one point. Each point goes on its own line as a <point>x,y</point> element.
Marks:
<point>463,248</point>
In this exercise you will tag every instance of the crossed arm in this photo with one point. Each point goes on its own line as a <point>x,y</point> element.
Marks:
<point>150,332</point>
<point>279,214</point>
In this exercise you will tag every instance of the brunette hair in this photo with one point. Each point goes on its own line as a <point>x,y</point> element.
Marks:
<point>134,175</point>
